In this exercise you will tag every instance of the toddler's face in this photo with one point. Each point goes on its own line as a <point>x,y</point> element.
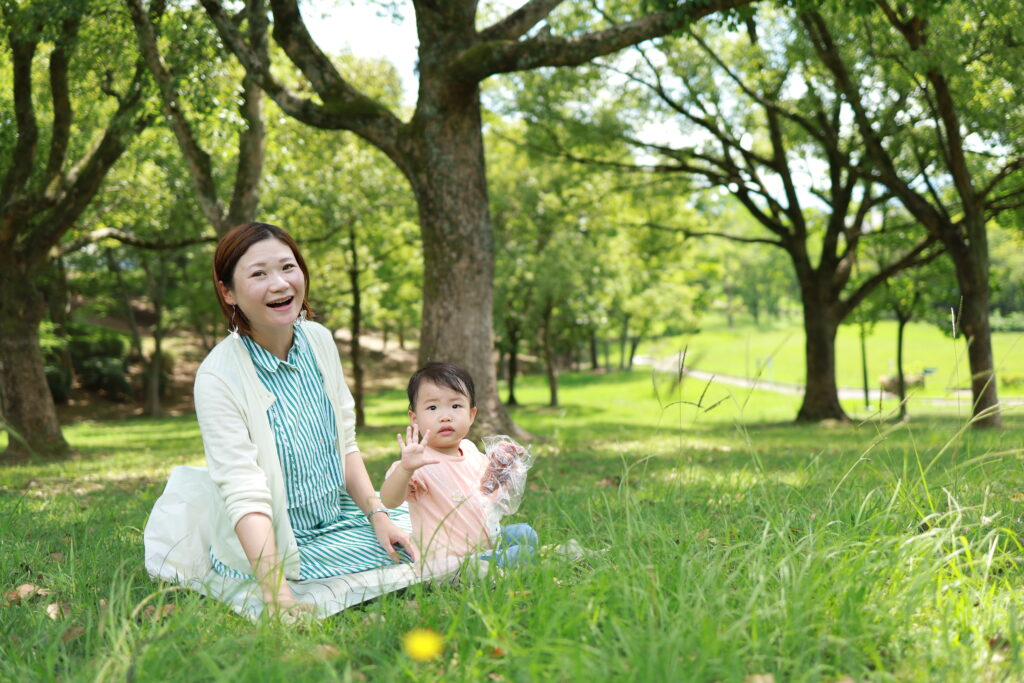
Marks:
<point>446,413</point>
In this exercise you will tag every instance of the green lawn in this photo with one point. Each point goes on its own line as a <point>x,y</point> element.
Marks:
<point>736,545</point>
<point>777,352</point>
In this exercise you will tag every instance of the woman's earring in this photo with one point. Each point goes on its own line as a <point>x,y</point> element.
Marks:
<point>233,330</point>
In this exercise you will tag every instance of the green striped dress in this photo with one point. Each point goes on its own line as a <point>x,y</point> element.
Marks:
<point>333,534</point>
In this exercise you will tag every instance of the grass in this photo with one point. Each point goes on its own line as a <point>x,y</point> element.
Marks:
<point>777,352</point>
<point>737,545</point>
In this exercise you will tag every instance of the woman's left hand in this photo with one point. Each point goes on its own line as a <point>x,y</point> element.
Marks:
<point>389,535</point>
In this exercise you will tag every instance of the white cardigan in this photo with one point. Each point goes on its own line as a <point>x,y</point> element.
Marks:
<point>231,405</point>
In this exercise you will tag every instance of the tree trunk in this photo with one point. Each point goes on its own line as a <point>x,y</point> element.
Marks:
<point>549,356</point>
<point>633,344</point>
<point>622,342</point>
<point>56,294</point>
<point>25,402</point>
<point>126,301</point>
<point>449,181</point>
<point>355,329</point>
<point>821,396</point>
<point>595,362</point>
<point>513,364</point>
<point>901,386</point>
<point>972,268</point>
<point>158,288</point>
<point>153,371</point>
<point>864,365</point>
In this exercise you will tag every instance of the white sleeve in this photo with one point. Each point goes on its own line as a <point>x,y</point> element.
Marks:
<point>230,451</point>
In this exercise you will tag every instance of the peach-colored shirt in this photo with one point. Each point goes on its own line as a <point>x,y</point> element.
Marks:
<point>446,505</point>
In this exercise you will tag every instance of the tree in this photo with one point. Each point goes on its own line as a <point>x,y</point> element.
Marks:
<point>440,149</point>
<point>758,121</point>
<point>916,293</point>
<point>338,198</point>
<point>249,162</point>
<point>42,195</point>
<point>942,72</point>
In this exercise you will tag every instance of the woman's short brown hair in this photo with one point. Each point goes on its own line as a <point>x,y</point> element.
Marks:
<point>231,248</point>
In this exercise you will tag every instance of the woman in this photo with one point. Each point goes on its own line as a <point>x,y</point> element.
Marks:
<point>278,429</point>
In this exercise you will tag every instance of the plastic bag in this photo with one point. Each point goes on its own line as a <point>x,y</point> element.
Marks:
<point>504,480</point>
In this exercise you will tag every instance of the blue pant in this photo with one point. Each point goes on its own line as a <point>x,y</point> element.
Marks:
<point>514,547</point>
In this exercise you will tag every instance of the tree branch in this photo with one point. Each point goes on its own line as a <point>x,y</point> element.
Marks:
<point>198,160</point>
<point>711,233</point>
<point>1001,175</point>
<point>24,152</point>
<point>61,133</point>
<point>129,239</point>
<point>910,259</point>
<point>487,58</point>
<point>520,21</point>
<point>344,107</point>
<point>82,182</point>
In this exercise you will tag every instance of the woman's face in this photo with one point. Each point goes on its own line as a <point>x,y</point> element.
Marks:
<point>268,286</point>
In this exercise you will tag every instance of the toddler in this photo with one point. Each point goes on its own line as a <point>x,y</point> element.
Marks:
<point>455,492</point>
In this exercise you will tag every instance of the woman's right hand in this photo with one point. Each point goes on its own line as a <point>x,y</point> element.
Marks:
<point>283,604</point>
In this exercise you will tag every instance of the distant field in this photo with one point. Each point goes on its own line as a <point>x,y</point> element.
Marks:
<point>745,349</point>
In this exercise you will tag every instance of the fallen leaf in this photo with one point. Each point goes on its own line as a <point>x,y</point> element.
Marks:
<point>57,556</point>
<point>998,642</point>
<point>760,678</point>
<point>845,679</point>
<point>495,676</point>
<point>26,591</point>
<point>1017,497</point>
<point>702,534</point>
<point>74,631</point>
<point>56,610</point>
<point>608,482</point>
<point>497,652</point>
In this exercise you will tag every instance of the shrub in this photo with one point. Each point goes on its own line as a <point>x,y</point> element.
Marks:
<point>1011,322</point>
<point>890,383</point>
<point>58,378</point>
<point>106,376</point>
<point>91,341</point>
<point>1011,381</point>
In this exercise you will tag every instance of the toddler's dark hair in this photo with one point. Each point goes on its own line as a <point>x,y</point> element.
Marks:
<point>443,375</point>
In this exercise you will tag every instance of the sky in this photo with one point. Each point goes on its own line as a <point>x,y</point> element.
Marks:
<point>360,28</point>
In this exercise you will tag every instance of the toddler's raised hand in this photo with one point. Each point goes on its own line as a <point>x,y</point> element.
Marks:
<point>414,449</point>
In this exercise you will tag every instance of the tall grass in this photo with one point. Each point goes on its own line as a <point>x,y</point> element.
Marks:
<point>726,543</point>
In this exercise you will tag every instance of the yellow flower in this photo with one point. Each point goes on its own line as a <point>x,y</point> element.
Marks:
<point>422,644</point>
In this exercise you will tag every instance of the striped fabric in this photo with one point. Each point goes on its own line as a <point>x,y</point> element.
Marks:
<point>333,534</point>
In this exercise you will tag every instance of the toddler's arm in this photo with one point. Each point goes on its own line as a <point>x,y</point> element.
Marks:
<point>414,456</point>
